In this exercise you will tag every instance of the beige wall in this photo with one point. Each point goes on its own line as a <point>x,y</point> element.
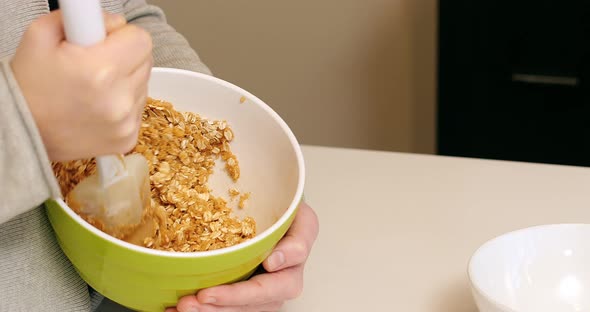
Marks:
<point>351,73</point>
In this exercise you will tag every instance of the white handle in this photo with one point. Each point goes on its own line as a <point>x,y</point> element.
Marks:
<point>84,25</point>
<point>83,21</point>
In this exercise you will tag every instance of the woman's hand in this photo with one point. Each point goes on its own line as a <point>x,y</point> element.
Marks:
<point>265,292</point>
<point>86,101</point>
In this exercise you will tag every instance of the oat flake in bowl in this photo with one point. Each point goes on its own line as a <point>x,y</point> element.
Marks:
<point>181,149</point>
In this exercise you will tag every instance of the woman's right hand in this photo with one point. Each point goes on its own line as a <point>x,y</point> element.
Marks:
<point>86,101</point>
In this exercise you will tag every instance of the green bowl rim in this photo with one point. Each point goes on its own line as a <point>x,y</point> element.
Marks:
<point>284,218</point>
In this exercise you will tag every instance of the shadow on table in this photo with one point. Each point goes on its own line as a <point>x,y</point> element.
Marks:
<point>109,306</point>
<point>456,297</point>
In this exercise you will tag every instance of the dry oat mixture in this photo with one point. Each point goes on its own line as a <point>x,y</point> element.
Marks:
<point>181,149</point>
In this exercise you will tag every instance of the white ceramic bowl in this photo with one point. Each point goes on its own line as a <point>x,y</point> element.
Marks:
<point>538,269</point>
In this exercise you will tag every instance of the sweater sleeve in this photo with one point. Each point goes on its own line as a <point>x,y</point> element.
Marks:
<point>26,177</point>
<point>171,49</point>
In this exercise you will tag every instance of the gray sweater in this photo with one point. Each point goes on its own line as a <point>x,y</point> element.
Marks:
<point>34,273</point>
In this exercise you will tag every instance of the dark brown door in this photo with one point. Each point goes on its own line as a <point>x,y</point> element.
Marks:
<point>513,80</point>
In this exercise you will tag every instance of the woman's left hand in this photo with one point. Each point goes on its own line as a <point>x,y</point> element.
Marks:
<point>268,291</point>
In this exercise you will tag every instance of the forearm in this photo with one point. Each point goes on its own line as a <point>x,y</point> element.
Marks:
<point>26,177</point>
<point>171,49</point>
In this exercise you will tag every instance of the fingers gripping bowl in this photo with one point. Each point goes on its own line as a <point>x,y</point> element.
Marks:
<point>272,170</point>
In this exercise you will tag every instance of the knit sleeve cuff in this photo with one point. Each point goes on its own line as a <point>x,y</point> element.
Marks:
<point>26,175</point>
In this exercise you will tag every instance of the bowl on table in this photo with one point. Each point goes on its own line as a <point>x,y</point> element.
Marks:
<point>538,269</point>
<point>272,170</point>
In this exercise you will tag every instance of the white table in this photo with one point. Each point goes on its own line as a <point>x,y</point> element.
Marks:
<point>397,230</point>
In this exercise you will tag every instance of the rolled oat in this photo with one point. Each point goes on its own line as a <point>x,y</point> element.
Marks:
<point>181,149</point>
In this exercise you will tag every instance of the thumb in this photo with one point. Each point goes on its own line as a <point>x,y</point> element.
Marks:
<point>295,247</point>
<point>113,22</point>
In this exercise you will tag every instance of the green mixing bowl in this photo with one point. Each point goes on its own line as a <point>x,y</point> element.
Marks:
<point>272,169</point>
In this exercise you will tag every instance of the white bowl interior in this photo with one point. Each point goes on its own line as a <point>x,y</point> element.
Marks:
<point>270,160</point>
<point>544,268</point>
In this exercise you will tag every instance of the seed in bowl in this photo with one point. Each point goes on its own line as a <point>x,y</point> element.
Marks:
<point>181,149</point>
